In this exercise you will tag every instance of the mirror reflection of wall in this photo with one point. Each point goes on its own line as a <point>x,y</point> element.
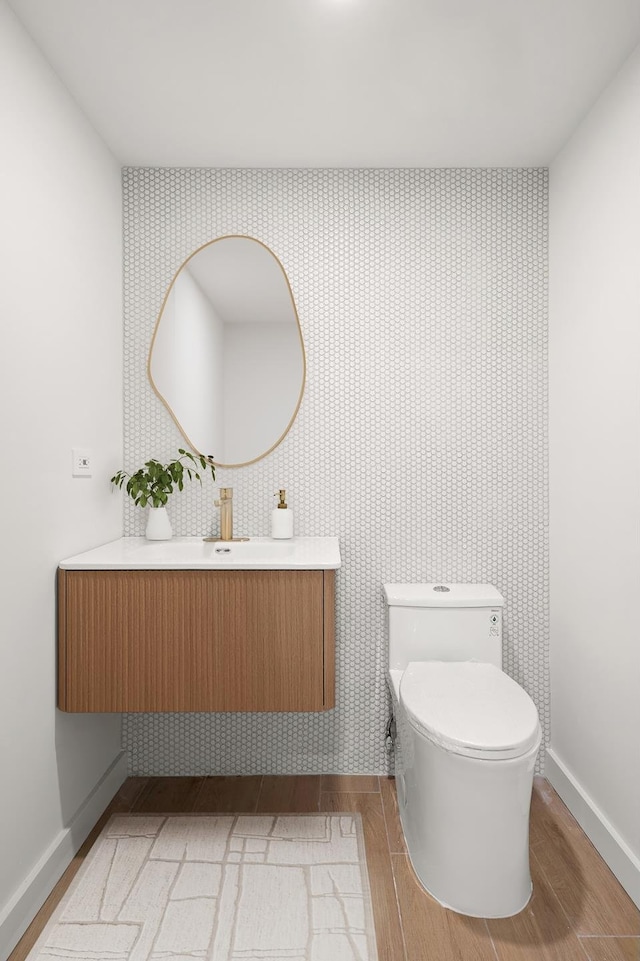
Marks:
<point>227,357</point>
<point>187,363</point>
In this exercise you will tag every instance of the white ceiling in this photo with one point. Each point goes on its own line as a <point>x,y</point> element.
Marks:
<point>340,83</point>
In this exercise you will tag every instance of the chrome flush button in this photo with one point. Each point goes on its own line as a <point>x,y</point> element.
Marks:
<point>442,589</point>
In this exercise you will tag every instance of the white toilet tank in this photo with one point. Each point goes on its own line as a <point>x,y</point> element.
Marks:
<point>443,622</point>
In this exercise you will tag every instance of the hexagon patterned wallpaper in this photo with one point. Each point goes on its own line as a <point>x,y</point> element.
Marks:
<point>421,439</point>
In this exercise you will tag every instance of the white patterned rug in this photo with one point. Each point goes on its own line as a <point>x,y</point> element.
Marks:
<point>219,888</point>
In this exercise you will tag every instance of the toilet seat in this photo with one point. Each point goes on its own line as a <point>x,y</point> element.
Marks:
<point>470,708</point>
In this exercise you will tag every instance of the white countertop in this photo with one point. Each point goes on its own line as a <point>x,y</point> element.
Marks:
<point>193,553</point>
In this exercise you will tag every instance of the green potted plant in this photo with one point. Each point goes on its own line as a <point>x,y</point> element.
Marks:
<point>153,483</point>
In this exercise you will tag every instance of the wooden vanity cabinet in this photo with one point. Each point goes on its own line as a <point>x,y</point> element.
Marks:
<point>196,640</point>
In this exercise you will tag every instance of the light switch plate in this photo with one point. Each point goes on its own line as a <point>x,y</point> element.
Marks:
<point>81,462</point>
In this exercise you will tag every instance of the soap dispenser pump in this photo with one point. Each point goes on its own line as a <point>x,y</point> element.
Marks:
<point>281,518</point>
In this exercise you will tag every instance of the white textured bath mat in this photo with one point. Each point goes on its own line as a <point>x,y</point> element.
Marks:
<point>219,888</point>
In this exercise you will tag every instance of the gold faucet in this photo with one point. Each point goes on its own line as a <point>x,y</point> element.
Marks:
<point>226,513</point>
<point>225,503</point>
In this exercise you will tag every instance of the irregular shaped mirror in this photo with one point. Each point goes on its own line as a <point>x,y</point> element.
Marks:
<point>227,356</point>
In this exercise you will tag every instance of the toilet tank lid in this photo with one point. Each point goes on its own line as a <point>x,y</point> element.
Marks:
<point>442,595</point>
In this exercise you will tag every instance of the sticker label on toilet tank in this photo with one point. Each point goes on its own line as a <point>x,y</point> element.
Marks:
<point>494,623</point>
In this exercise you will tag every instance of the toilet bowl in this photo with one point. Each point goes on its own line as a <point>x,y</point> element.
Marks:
<point>467,737</point>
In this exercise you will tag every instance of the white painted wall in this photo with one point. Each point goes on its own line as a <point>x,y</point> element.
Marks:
<point>595,473</point>
<point>61,386</point>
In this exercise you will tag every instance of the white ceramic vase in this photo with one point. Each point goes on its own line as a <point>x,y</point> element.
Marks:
<point>158,525</point>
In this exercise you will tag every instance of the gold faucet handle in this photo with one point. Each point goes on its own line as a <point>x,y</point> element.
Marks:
<point>226,494</point>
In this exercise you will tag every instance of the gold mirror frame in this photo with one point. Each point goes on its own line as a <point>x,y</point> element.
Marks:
<point>164,400</point>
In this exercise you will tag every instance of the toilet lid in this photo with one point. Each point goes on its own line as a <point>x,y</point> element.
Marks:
<point>470,708</point>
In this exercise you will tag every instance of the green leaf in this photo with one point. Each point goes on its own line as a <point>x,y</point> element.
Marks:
<point>154,482</point>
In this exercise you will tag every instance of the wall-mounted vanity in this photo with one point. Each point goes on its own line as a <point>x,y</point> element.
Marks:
<point>185,625</point>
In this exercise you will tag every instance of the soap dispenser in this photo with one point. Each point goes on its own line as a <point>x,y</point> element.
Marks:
<point>281,518</point>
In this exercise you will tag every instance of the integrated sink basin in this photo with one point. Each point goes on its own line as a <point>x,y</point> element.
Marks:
<point>193,553</point>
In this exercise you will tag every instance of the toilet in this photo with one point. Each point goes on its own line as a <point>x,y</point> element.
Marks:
<point>466,739</point>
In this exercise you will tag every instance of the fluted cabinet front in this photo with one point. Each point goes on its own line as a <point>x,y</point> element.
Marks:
<point>196,641</point>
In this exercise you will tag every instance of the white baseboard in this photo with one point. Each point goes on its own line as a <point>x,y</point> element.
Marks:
<point>18,914</point>
<point>615,851</point>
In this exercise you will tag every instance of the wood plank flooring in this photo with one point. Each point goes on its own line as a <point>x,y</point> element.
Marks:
<point>578,911</point>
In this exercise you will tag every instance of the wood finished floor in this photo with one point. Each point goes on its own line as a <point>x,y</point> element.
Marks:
<point>578,911</point>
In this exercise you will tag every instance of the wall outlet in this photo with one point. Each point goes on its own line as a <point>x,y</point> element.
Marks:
<point>81,462</point>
